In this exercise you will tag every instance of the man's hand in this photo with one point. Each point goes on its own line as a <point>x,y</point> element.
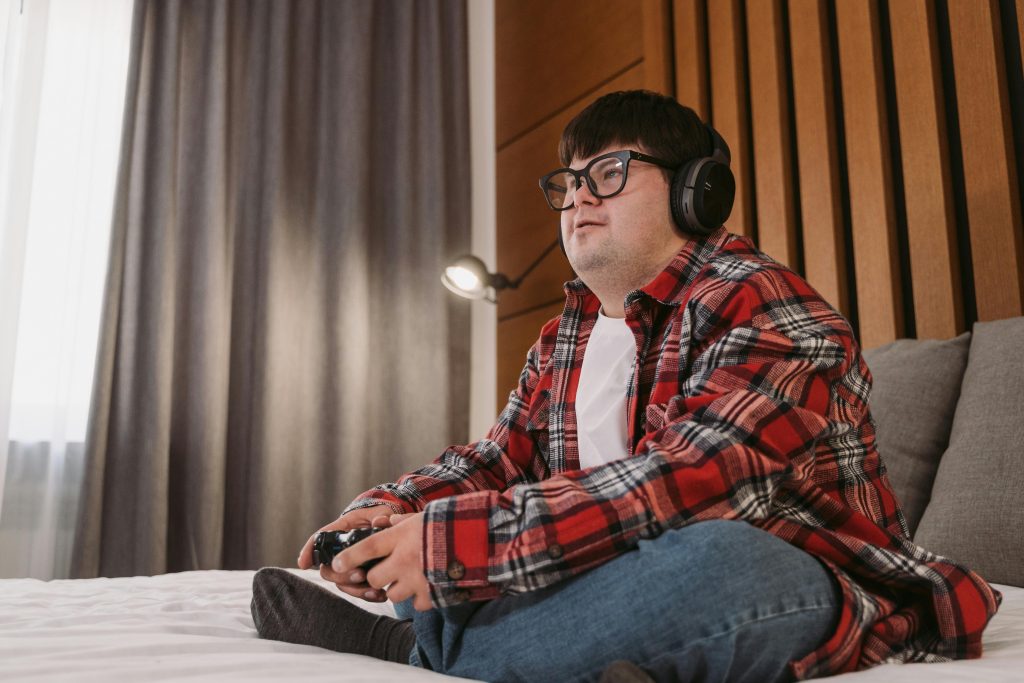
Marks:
<point>401,568</point>
<point>375,515</point>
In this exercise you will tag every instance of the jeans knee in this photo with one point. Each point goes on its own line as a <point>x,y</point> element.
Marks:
<point>711,538</point>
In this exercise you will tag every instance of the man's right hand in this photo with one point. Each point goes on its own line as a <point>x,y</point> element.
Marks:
<point>355,582</point>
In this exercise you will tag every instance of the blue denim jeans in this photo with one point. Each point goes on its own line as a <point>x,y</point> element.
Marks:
<point>714,601</point>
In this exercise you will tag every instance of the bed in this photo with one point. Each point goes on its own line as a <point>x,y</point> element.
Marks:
<point>197,626</point>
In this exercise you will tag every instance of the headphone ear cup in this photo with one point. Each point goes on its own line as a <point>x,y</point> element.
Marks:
<point>681,196</point>
<point>702,196</point>
<point>714,195</point>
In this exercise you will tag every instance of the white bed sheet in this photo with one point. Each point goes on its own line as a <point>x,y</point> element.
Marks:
<point>197,626</point>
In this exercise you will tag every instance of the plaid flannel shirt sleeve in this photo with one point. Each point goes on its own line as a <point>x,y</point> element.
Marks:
<point>742,426</point>
<point>505,457</point>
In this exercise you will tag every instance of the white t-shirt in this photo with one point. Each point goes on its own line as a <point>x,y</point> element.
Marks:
<point>601,394</point>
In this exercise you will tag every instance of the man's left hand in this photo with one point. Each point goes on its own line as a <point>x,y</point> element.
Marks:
<point>401,569</point>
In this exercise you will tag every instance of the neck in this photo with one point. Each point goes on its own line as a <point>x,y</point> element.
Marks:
<point>612,292</point>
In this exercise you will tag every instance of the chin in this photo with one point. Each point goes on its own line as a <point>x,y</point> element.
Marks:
<point>588,261</point>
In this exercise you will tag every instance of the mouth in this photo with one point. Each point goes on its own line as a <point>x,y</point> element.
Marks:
<point>585,224</point>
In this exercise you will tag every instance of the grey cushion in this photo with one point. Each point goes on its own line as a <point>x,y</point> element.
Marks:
<point>913,397</point>
<point>975,515</point>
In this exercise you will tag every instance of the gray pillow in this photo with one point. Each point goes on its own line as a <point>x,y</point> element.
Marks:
<point>975,515</point>
<point>913,396</point>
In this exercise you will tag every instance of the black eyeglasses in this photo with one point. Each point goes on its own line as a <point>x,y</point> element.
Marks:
<point>605,176</point>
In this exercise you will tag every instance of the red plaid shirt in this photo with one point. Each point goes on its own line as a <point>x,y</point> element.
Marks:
<point>748,401</point>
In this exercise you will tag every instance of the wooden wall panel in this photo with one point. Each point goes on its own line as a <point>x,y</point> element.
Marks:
<point>990,177</point>
<point>769,105</point>
<point>657,37</point>
<point>872,214</point>
<point>525,223</point>
<point>729,102</point>
<point>728,60</point>
<point>554,57</point>
<point>689,19</point>
<point>817,152</point>
<point>515,337</point>
<point>931,219</point>
<point>548,54</point>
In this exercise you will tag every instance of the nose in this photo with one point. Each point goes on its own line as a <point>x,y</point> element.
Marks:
<point>584,195</point>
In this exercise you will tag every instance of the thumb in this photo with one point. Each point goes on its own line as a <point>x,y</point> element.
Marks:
<point>396,518</point>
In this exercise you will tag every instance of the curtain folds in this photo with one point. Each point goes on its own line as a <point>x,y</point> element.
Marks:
<point>62,92</point>
<point>275,339</point>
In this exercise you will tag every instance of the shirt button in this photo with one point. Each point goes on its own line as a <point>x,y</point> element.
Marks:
<point>554,551</point>
<point>455,570</point>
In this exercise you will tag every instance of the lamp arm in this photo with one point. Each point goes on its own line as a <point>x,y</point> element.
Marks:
<point>515,283</point>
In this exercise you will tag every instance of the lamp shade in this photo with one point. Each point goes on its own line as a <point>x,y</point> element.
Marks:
<point>467,276</point>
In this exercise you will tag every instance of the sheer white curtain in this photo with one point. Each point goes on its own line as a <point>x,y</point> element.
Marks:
<point>61,99</point>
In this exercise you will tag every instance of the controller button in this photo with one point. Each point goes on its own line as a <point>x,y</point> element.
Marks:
<point>455,570</point>
<point>555,551</point>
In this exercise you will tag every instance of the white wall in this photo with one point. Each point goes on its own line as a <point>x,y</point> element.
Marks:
<point>483,383</point>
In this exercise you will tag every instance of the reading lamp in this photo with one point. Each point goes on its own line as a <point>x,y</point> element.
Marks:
<point>468,277</point>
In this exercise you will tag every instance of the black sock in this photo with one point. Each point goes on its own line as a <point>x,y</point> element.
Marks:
<point>289,608</point>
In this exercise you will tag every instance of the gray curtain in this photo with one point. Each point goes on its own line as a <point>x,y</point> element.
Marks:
<point>275,337</point>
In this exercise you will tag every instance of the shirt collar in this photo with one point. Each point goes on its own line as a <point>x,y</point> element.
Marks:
<point>668,287</point>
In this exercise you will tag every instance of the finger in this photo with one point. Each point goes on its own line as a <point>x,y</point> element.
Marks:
<point>385,573</point>
<point>381,575</point>
<point>397,592</point>
<point>363,592</point>
<point>353,557</point>
<point>352,577</point>
<point>396,518</point>
<point>305,560</point>
<point>381,520</point>
<point>422,603</point>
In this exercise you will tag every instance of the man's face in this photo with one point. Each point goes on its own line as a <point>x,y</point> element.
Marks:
<point>627,238</point>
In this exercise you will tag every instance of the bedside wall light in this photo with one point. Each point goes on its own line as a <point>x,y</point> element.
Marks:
<point>468,277</point>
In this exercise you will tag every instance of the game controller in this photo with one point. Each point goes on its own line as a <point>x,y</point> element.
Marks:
<point>330,543</point>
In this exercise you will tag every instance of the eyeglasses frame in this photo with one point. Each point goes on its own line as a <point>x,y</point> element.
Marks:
<point>625,156</point>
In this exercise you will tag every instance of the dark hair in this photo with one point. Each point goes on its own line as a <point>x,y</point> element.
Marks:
<point>665,128</point>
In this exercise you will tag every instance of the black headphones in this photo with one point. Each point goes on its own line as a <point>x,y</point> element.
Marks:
<point>703,190</point>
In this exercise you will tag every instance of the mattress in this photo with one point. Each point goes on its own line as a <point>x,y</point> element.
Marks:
<point>197,626</point>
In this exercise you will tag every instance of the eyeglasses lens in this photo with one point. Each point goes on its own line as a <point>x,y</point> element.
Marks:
<point>607,175</point>
<point>559,189</point>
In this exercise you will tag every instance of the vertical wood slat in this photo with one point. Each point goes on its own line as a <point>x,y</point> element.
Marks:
<point>931,219</point>
<point>729,102</point>
<point>657,37</point>
<point>690,40</point>
<point>1020,27</point>
<point>817,152</point>
<point>990,180</point>
<point>872,211</point>
<point>769,104</point>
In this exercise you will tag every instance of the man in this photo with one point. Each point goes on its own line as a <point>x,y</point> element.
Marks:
<point>685,478</point>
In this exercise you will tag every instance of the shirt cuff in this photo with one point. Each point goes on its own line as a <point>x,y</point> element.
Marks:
<point>377,497</point>
<point>457,549</point>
